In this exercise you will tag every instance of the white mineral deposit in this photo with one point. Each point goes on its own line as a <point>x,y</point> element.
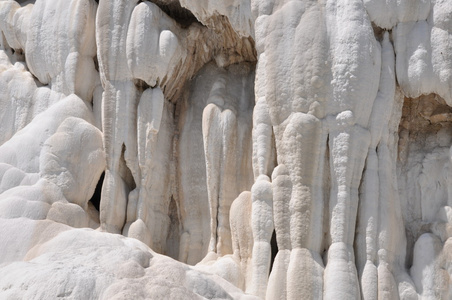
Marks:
<point>226,149</point>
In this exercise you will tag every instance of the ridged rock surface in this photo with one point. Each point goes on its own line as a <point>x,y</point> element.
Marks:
<point>226,149</point>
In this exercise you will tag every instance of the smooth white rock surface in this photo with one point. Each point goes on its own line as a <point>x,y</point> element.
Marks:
<point>255,149</point>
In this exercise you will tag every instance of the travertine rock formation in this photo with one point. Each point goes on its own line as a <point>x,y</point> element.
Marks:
<point>226,149</point>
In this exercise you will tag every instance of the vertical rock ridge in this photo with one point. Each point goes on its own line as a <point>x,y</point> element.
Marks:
<point>226,130</point>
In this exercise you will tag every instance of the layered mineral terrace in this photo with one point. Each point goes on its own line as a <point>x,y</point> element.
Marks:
<point>226,149</point>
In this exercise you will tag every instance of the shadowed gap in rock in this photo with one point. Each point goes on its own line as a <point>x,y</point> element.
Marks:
<point>274,246</point>
<point>95,199</point>
<point>172,8</point>
<point>172,240</point>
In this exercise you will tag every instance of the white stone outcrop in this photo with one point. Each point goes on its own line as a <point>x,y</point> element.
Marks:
<point>255,149</point>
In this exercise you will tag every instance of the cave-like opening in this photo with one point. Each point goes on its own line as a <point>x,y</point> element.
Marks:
<point>172,240</point>
<point>95,199</point>
<point>274,246</point>
<point>174,10</point>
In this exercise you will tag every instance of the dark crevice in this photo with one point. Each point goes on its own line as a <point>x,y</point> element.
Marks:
<point>19,55</point>
<point>181,15</point>
<point>274,246</point>
<point>125,172</point>
<point>326,208</point>
<point>25,2</point>
<point>378,32</point>
<point>95,199</point>
<point>141,85</point>
<point>172,240</point>
<point>96,63</point>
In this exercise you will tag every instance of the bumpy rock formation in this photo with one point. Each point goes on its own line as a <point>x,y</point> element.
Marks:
<point>253,149</point>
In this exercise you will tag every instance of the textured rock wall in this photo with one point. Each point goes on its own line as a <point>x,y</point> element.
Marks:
<point>273,149</point>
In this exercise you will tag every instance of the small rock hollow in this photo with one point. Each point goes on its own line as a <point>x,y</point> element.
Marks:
<point>274,246</point>
<point>181,15</point>
<point>95,199</point>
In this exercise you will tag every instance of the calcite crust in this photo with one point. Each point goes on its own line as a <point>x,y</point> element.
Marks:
<point>226,149</point>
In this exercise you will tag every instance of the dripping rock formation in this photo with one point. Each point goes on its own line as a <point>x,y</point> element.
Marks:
<point>226,149</point>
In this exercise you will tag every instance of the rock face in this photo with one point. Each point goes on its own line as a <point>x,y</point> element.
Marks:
<point>225,149</point>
